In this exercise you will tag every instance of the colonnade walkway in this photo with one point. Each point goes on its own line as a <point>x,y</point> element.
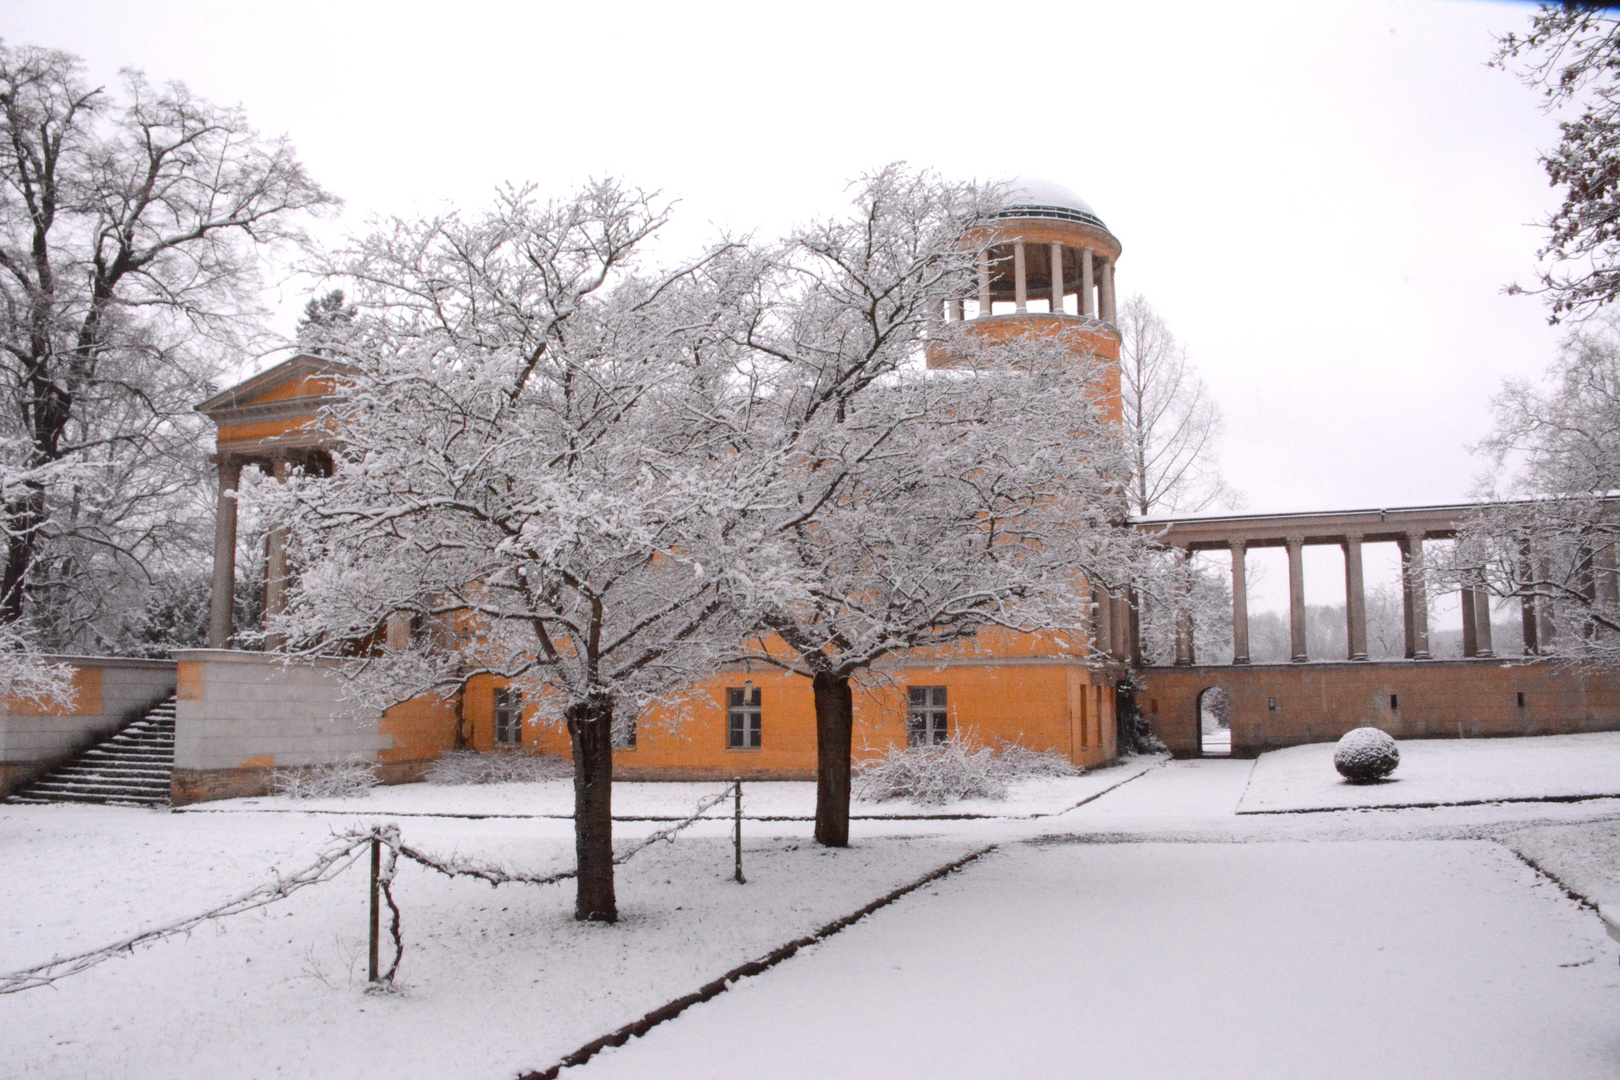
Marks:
<point>1158,935</point>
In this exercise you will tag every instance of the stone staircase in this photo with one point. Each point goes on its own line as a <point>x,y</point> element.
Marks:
<point>131,767</point>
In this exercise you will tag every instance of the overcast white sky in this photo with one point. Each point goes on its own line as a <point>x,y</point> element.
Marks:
<point>1324,199</point>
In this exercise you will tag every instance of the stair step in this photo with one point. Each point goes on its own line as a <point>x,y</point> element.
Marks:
<point>132,767</point>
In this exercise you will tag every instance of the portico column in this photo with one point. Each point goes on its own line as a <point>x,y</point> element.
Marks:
<point>984,283</point>
<point>1240,601</point>
<point>1102,620</point>
<point>224,586</point>
<point>1057,278</point>
<point>1133,633</point>
<point>1355,598</point>
<point>953,311</point>
<point>1109,315</point>
<point>1088,285</point>
<point>1296,599</point>
<point>1184,621</point>
<point>1020,281</point>
<point>275,566</point>
<point>1415,597</point>
<point>1121,626</point>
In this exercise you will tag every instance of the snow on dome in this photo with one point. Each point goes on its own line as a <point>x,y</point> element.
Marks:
<point>1029,196</point>
<point>1366,754</point>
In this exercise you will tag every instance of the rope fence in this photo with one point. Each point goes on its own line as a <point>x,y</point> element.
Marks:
<point>386,847</point>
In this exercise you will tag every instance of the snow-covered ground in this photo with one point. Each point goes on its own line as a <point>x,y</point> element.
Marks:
<point>1438,771</point>
<point>1151,931</point>
<point>1358,959</point>
<point>761,799</point>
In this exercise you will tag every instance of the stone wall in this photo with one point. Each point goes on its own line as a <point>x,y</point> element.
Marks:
<point>110,692</point>
<point>241,715</point>
<point>1277,705</point>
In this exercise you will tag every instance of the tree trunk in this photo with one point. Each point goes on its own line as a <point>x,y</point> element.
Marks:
<point>590,727</point>
<point>835,720</point>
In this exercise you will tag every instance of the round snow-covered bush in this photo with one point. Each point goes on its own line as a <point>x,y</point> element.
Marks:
<point>1366,754</point>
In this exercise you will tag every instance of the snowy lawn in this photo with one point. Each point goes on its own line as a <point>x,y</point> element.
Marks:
<point>1286,960</point>
<point>762,799</point>
<point>1441,771</point>
<point>496,981</point>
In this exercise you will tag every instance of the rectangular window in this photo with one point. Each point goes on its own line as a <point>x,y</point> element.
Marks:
<point>926,725</point>
<point>508,717</point>
<point>625,737</point>
<point>743,725</point>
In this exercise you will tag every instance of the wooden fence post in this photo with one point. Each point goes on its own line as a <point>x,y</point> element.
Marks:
<point>736,830</point>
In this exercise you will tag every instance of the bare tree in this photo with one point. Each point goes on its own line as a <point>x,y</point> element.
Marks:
<point>1571,54</point>
<point>536,472</point>
<point>1171,425</point>
<point>919,508</point>
<point>130,232</point>
<point>1549,524</point>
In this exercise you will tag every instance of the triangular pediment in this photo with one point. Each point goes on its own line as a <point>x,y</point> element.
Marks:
<point>296,387</point>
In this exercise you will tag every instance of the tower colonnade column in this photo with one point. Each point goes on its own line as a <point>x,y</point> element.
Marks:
<point>1057,277</point>
<point>1020,278</point>
<point>1106,299</point>
<point>1088,284</point>
<point>984,284</point>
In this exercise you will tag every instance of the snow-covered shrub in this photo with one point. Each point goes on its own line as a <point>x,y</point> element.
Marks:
<point>951,771</point>
<point>512,767</point>
<point>1365,755</point>
<point>338,780</point>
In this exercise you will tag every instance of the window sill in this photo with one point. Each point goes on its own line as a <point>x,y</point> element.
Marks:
<point>744,749</point>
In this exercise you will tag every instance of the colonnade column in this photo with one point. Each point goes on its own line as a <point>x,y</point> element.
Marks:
<point>1109,315</point>
<point>984,284</point>
<point>275,567</point>
<point>1240,601</point>
<point>1355,598</point>
<point>1057,278</point>
<point>1608,580</point>
<point>224,586</point>
<point>1414,596</point>
<point>1476,614</point>
<point>1184,621</point>
<point>1296,599</point>
<point>1088,285</point>
<point>1470,625</point>
<point>1544,608</point>
<point>1020,281</point>
<point>1527,605</point>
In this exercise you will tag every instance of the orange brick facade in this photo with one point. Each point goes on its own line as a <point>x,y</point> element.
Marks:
<point>1277,705</point>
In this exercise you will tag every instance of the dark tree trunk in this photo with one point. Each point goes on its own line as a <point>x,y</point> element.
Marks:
<point>590,727</point>
<point>835,720</point>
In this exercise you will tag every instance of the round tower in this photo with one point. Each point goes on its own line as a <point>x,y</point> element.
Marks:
<point>1050,267</point>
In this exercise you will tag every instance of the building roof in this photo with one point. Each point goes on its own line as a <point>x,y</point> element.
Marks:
<point>1032,197</point>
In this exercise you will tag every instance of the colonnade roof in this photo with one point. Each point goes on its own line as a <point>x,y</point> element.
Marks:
<point>1314,527</point>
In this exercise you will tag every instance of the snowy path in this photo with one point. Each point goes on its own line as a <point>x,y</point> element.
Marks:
<point>1354,959</point>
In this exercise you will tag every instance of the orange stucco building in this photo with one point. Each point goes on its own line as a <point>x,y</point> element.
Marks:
<point>1050,272</point>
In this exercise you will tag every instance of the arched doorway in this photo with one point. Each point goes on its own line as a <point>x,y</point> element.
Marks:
<point>1215,722</point>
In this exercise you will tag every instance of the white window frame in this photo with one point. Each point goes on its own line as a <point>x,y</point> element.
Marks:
<point>927,716</point>
<point>508,717</point>
<point>745,719</point>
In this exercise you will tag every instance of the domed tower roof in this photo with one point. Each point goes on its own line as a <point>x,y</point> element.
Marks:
<point>1030,197</point>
